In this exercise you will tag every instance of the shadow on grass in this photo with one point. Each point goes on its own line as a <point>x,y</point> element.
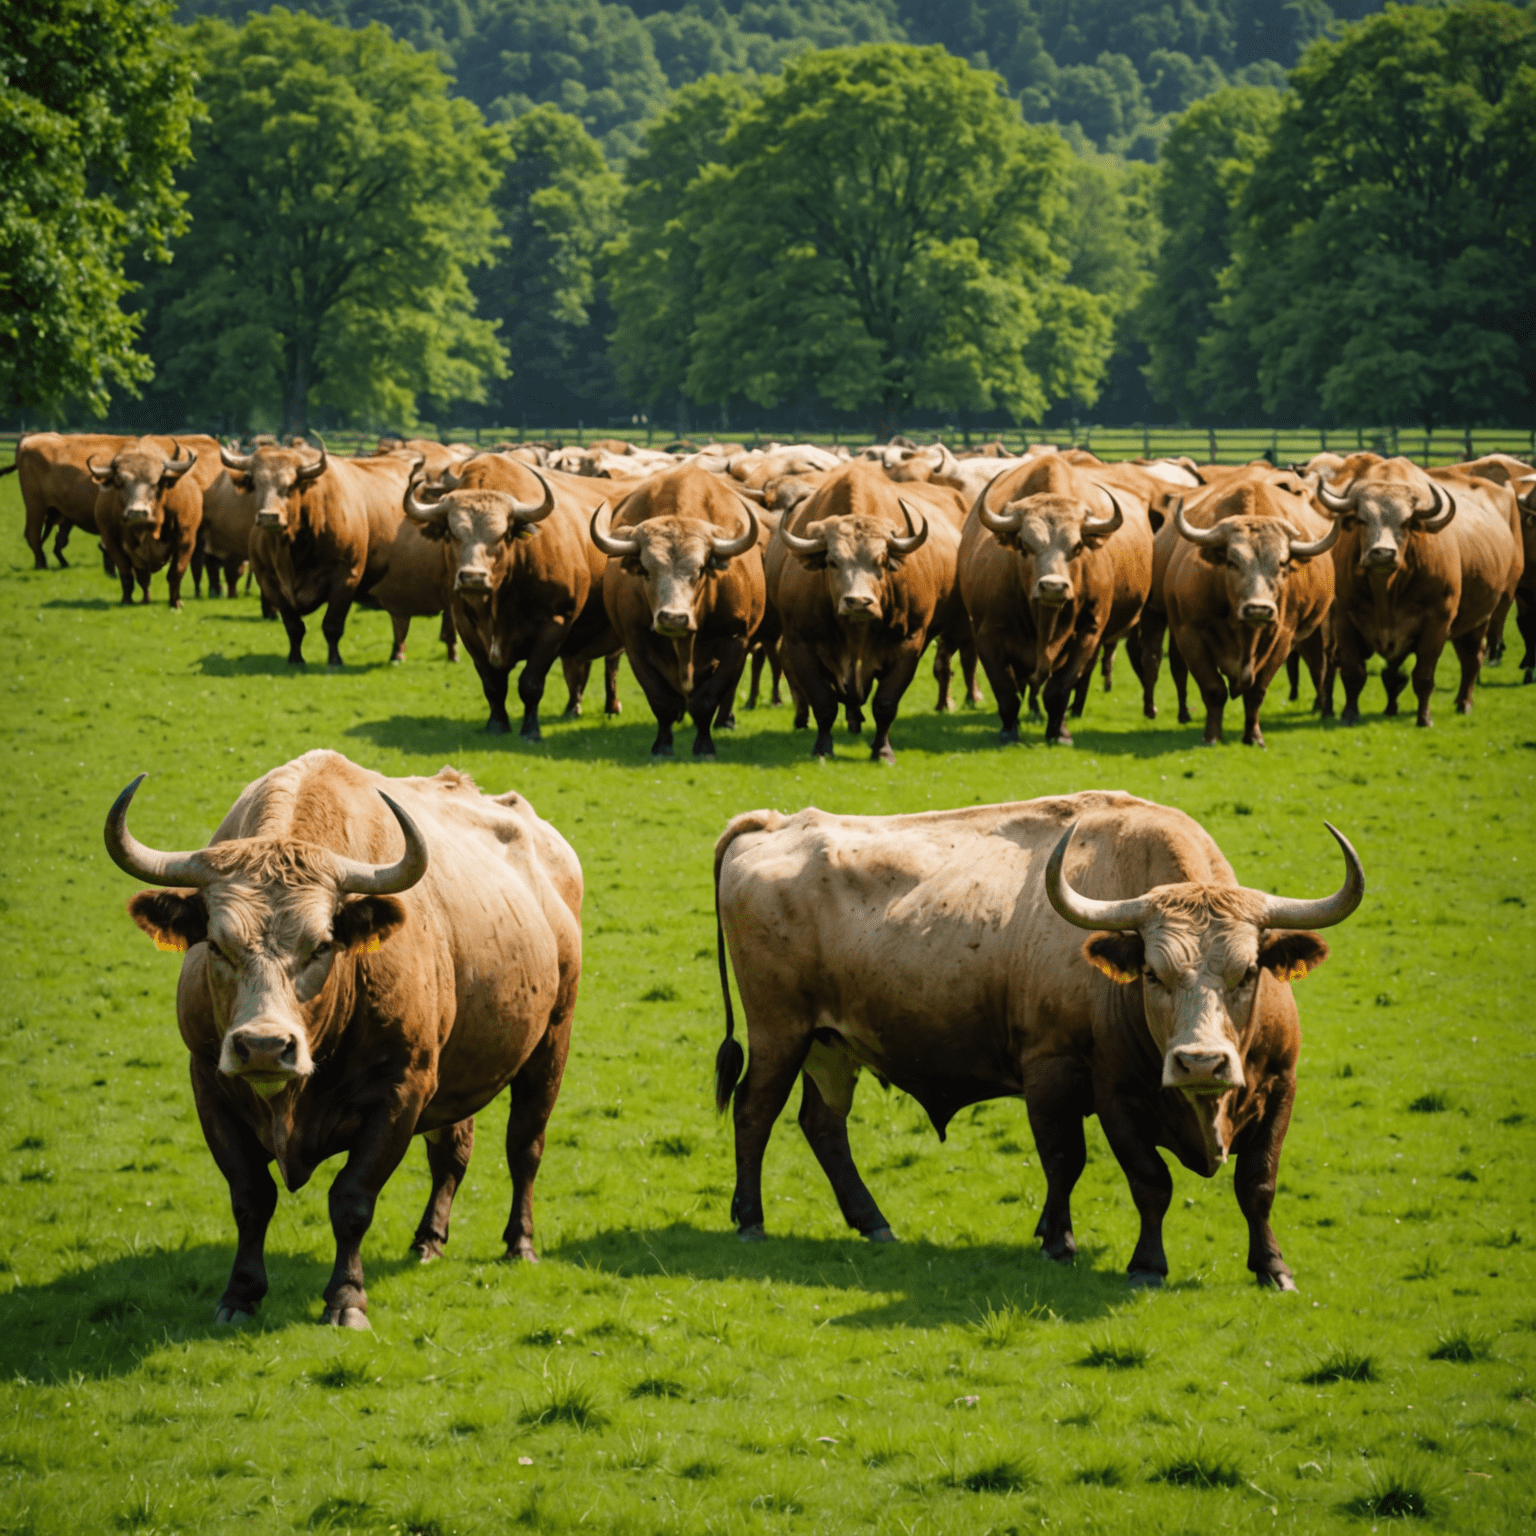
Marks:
<point>91,604</point>
<point>912,1284</point>
<point>102,1321</point>
<point>273,664</point>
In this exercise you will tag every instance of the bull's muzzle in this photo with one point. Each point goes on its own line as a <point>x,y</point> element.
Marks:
<point>672,622</point>
<point>1258,613</point>
<point>858,609</point>
<point>1202,1071</point>
<point>269,520</point>
<point>1380,556</point>
<point>472,581</point>
<point>1053,591</point>
<point>267,1056</point>
<point>137,515</point>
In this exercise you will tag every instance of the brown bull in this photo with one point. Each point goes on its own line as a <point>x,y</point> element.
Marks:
<point>937,951</point>
<point>862,576</point>
<point>1422,559</point>
<point>1244,588</point>
<point>329,531</point>
<point>341,994</point>
<point>684,592</point>
<point>527,583</point>
<point>1504,469</point>
<point>1055,563</point>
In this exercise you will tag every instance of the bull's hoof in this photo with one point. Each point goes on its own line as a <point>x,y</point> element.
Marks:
<point>495,727</point>
<point>752,1234</point>
<point>1276,1279</point>
<point>295,661</point>
<point>1149,711</point>
<point>228,1314</point>
<point>1144,1279</point>
<point>520,1252</point>
<point>1008,738</point>
<point>660,750</point>
<point>176,606</point>
<point>944,707</point>
<point>426,1249</point>
<point>883,755</point>
<point>881,1235</point>
<point>1424,722</point>
<point>572,712</point>
<point>706,752</point>
<point>616,708</point>
<point>1464,706</point>
<point>347,1317</point>
<point>1530,675</point>
<point>1210,741</point>
<point>1256,740</point>
<point>1062,738</point>
<point>531,733</point>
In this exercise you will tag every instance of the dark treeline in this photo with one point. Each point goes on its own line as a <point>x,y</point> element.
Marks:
<point>805,212</point>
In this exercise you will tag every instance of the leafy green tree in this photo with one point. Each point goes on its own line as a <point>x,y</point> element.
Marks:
<point>558,203</point>
<point>94,118</point>
<point>337,195</point>
<point>1206,165</point>
<point>878,230</point>
<point>1383,270</point>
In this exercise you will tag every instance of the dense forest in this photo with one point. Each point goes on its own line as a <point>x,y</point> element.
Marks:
<point>767,213</point>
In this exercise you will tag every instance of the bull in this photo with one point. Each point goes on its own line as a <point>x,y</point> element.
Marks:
<point>342,993</point>
<point>935,950</point>
<point>149,509</point>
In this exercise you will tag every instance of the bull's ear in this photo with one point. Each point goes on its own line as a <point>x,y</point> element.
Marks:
<point>365,923</point>
<point>1214,554</point>
<point>1119,955</point>
<point>1291,955</point>
<point>173,919</point>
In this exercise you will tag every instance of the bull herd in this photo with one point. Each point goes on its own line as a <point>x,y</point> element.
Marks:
<point>836,570</point>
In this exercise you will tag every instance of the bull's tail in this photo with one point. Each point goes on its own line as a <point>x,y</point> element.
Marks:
<point>10,469</point>
<point>730,1058</point>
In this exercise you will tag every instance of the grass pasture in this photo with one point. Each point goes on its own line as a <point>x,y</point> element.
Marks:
<point>652,1375</point>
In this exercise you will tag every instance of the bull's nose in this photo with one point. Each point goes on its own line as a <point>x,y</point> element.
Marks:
<point>136,515</point>
<point>268,520</point>
<point>1381,554</point>
<point>1202,1064</point>
<point>472,581</point>
<point>672,621</point>
<point>854,607</point>
<point>1052,589</point>
<point>1259,613</point>
<point>269,1052</point>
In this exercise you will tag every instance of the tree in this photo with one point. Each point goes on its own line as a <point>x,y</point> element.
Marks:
<point>337,195</point>
<point>94,118</point>
<point>877,229</point>
<point>1206,164</point>
<point>558,205</point>
<point>1383,263</point>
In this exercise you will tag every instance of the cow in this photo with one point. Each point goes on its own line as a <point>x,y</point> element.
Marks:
<point>1243,589</point>
<point>224,541</point>
<point>1520,477</point>
<point>1055,562</point>
<point>527,583</point>
<point>684,592</point>
<point>931,949</point>
<point>58,492</point>
<point>1422,559</point>
<point>862,576</point>
<point>149,508</point>
<point>342,993</point>
<point>331,530</point>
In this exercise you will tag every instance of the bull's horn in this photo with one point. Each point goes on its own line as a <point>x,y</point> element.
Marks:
<point>1206,538</point>
<point>1528,501</point>
<point>149,864</point>
<point>100,476</point>
<point>1281,912</point>
<point>798,546</point>
<point>915,537</point>
<point>1331,500</point>
<point>232,460</point>
<point>532,511</point>
<point>996,522</point>
<point>314,471</point>
<point>386,879</point>
<point>1084,911</point>
<point>1301,550</point>
<point>1443,510</point>
<point>176,466</point>
<point>1102,527</point>
<point>421,511</point>
<point>726,549</point>
<point>618,549</point>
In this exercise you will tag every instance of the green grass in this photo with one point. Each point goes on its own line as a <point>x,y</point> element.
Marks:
<point>651,1374</point>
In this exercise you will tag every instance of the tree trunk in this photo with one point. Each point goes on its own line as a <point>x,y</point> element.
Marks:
<point>296,404</point>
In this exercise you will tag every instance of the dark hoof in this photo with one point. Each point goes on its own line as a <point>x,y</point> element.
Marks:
<point>520,1253</point>
<point>884,755</point>
<point>1060,1253</point>
<point>1061,739</point>
<point>295,661</point>
<point>707,753</point>
<point>1008,738</point>
<point>662,751</point>
<point>572,712</point>
<point>1149,711</point>
<point>531,733</point>
<point>347,1317</point>
<point>752,1234</point>
<point>1144,1279</point>
<point>1278,1280</point>
<point>613,709</point>
<point>228,1314</point>
<point>881,1235</point>
<point>426,1250</point>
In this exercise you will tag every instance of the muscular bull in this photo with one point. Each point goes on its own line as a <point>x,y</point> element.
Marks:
<point>148,511</point>
<point>937,951</point>
<point>342,993</point>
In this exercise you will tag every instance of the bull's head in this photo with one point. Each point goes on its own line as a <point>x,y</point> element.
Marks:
<point>480,527</point>
<point>1257,554</point>
<point>1386,512</point>
<point>274,917</point>
<point>1201,953</point>
<point>1055,531</point>
<point>275,476</point>
<point>141,475</point>
<point>673,555</point>
<point>857,552</point>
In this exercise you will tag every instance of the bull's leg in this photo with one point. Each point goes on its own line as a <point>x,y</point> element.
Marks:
<point>1351,656</point>
<point>143,577</point>
<point>125,580</point>
<point>534,1091</point>
<point>754,683</point>
<point>974,697</point>
<point>1178,669</point>
<point>401,624</point>
<point>60,539</point>
<point>853,718</point>
<point>242,1160</point>
<point>818,697</point>
<point>776,669</point>
<point>334,625</point>
<point>1293,676</point>
<point>294,625</point>
<point>1426,659</point>
<point>1393,681</point>
<point>666,703</point>
<point>576,675</point>
<point>1034,701</point>
<point>716,697</point>
<point>1150,658</point>
<point>493,683</point>
<point>611,705</point>
<point>772,1067</point>
<point>827,1132</point>
<point>1080,691</point>
<point>448,1150</point>
<point>1056,1118</point>
<point>1258,1168</point>
<point>198,561</point>
<point>1469,652</point>
<point>36,532</point>
<point>894,681</point>
<point>1055,696</point>
<point>1000,676</point>
<point>1107,666</point>
<point>1525,618</point>
<point>1132,1136</point>
<point>175,573</point>
<point>1312,650</point>
<point>448,633</point>
<point>943,671</point>
<point>530,681</point>
<point>1494,654</point>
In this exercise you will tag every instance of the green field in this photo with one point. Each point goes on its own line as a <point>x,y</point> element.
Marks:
<point>652,1374</point>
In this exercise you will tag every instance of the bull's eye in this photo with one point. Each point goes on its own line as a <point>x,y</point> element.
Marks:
<point>1250,976</point>
<point>320,951</point>
<point>1148,974</point>
<point>216,952</point>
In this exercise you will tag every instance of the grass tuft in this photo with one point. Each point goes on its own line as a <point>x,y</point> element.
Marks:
<point>566,1403</point>
<point>1115,1355</point>
<point>665,993</point>
<point>1462,1344</point>
<point>699,1471</point>
<point>672,1146</point>
<point>1430,1103</point>
<point>340,1374</point>
<point>657,1386</point>
<point>998,1326</point>
<point>1343,1365</point>
<point>1106,1474</point>
<point>337,1513</point>
<point>1397,1490</point>
<point>1200,1468</point>
<point>1007,1474</point>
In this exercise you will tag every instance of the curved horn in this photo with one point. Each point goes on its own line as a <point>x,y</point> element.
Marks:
<point>1438,515</point>
<point>995,522</point>
<point>100,476</point>
<point>532,511</point>
<point>1084,911</point>
<point>176,466</point>
<point>1301,550</point>
<point>386,879</point>
<point>1102,527</point>
<point>421,511</point>
<point>1331,500</point>
<point>149,864</point>
<point>915,537</point>
<point>232,460</point>
<point>1528,501</point>
<point>1281,912</point>
<point>727,549</point>
<point>616,548</point>
<point>314,471</point>
<point>798,546</point>
<point>1206,538</point>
